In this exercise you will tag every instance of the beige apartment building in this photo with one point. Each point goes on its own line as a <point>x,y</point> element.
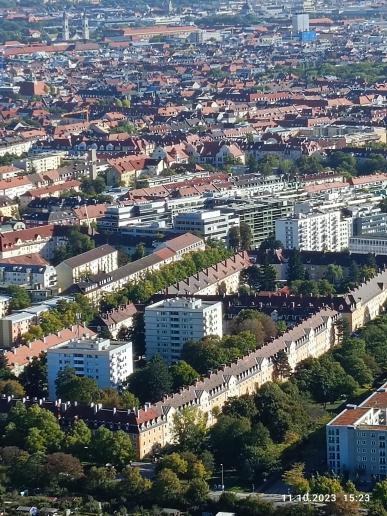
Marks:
<point>103,259</point>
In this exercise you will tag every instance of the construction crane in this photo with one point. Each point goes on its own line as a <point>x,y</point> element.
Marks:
<point>81,111</point>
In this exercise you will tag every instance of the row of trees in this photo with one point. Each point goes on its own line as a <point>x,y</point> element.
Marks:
<point>240,237</point>
<point>167,275</point>
<point>64,315</point>
<point>335,280</point>
<point>249,331</point>
<point>342,162</point>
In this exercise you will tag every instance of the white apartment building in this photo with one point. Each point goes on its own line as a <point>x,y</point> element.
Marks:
<point>356,438</point>
<point>314,231</point>
<point>31,275</point>
<point>101,259</point>
<point>41,162</point>
<point>172,322</point>
<point>214,224</point>
<point>108,363</point>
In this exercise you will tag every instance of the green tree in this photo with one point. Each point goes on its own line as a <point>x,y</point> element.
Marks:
<point>243,406</point>
<point>175,463</point>
<point>46,430</point>
<point>324,379</point>
<point>20,298</point>
<point>234,238</point>
<point>70,387</point>
<point>78,243</point>
<point>228,437</point>
<point>197,492</point>
<point>134,485</point>
<point>257,323</point>
<point>167,488</point>
<point>78,438</point>
<point>139,251</point>
<point>325,485</point>
<point>189,429</point>
<point>267,277</point>
<point>379,493</point>
<point>296,269</point>
<point>11,388</point>
<point>34,377</point>
<point>246,236</point>
<point>334,274</point>
<point>152,382</point>
<point>282,368</point>
<point>182,374</point>
<point>111,447</point>
<point>295,478</point>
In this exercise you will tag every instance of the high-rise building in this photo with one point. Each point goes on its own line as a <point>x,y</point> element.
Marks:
<point>109,363</point>
<point>300,22</point>
<point>172,322</point>
<point>66,28</point>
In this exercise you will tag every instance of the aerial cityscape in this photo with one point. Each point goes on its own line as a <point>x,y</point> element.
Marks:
<point>193,257</point>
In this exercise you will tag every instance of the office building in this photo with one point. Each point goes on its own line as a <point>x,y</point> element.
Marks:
<point>366,244</point>
<point>171,323</point>
<point>212,224</point>
<point>108,363</point>
<point>260,216</point>
<point>356,438</point>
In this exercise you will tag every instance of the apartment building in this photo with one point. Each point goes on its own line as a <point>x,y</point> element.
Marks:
<point>40,163</point>
<point>108,363</point>
<point>4,305</point>
<point>15,186</point>
<point>171,323</point>
<point>114,320</point>
<point>14,326</point>
<point>42,240</point>
<point>222,277</point>
<point>29,275</point>
<point>213,224</point>
<point>97,286</point>
<point>183,244</point>
<point>356,438</point>
<point>102,259</point>
<point>260,216</point>
<point>19,357</point>
<point>314,231</point>
<point>16,145</point>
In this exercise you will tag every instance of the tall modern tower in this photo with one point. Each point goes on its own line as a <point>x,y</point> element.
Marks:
<point>66,28</point>
<point>85,27</point>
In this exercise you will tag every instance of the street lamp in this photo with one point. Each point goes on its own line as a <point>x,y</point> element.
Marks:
<point>222,471</point>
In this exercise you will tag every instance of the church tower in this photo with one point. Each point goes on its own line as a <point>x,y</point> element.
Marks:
<point>66,28</point>
<point>85,27</point>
